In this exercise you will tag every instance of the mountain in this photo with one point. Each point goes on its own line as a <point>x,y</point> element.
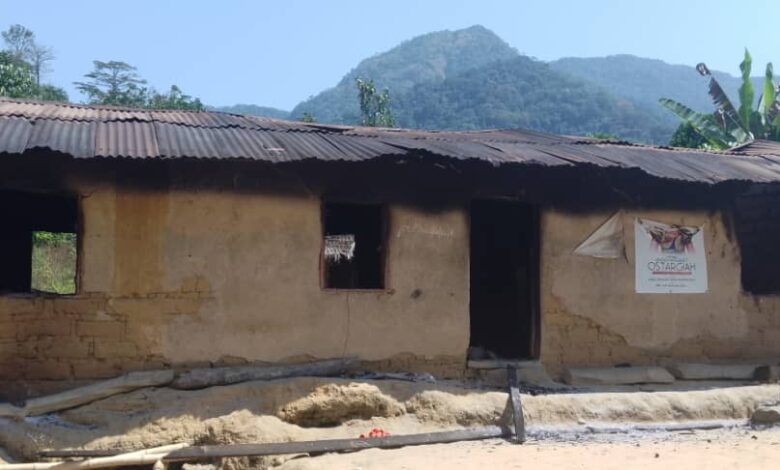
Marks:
<point>644,81</point>
<point>472,79</point>
<point>428,58</point>
<point>253,110</point>
<point>526,93</point>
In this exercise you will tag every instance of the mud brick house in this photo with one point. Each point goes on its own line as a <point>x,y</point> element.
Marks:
<point>215,238</point>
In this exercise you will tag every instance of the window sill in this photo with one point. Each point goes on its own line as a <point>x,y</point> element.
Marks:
<point>335,290</point>
<point>36,295</point>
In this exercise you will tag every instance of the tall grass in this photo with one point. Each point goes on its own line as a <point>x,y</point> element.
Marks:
<point>54,262</point>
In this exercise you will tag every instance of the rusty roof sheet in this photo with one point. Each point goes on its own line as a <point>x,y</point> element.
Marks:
<point>75,138</point>
<point>101,131</point>
<point>14,134</point>
<point>759,147</point>
<point>133,139</point>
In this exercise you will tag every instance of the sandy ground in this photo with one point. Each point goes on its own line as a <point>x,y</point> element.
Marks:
<point>317,408</point>
<point>704,450</point>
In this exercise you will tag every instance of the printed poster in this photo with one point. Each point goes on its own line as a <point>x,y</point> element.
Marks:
<point>670,259</point>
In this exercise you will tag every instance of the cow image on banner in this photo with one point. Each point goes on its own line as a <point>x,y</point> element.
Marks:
<point>670,259</point>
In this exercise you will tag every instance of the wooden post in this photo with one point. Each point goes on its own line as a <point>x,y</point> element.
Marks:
<point>89,393</point>
<point>517,406</point>
<point>202,378</point>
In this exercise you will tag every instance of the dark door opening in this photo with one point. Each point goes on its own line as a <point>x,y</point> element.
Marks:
<point>504,280</point>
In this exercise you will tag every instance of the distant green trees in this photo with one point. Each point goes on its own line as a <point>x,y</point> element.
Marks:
<point>23,62</point>
<point>118,83</point>
<point>253,109</point>
<point>174,99</point>
<point>374,106</point>
<point>115,83</point>
<point>21,43</point>
<point>16,81</point>
<point>729,125</point>
<point>308,117</point>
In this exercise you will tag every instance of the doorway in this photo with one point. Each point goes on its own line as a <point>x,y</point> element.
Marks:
<point>504,305</point>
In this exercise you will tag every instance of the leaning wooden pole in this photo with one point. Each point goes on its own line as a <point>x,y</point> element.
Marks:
<point>140,457</point>
<point>89,393</point>
<point>196,453</point>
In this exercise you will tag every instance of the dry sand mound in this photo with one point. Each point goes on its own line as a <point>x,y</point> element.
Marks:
<point>476,409</point>
<point>638,407</point>
<point>333,404</point>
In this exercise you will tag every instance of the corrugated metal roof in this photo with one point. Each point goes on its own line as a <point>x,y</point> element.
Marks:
<point>759,147</point>
<point>14,134</point>
<point>72,137</point>
<point>99,131</point>
<point>134,139</point>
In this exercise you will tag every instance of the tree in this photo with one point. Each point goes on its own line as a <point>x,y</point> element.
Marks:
<point>114,83</point>
<point>729,126</point>
<point>39,58</point>
<point>51,93</point>
<point>117,83</point>
<point>16,81</point>
<point>174,99</point>
<point>686,136</point>
<point>20,42</point>
<point>374,107</point>
<point>308,117</point>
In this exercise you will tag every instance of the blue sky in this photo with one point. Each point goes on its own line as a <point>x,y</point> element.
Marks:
<point>278,53</point>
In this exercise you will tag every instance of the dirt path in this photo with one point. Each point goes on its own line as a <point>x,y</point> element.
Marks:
<point>701,450</point>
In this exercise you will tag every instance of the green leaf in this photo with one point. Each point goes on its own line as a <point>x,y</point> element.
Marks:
<point>746,93</point>
<point>725,114</point>
<point>703,124</point>
<point>768,96</point>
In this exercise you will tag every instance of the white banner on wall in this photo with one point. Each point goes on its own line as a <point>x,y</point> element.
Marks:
<point>670,259</point>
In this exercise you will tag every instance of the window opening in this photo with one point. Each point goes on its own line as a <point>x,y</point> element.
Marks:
<point>38,244</point>
<point>353,246</point>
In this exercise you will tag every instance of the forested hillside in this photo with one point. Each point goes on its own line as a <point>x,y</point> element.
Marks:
<point>425,59</point>
<point>471,79</point>
<point>526,93</point>
<point>645,80</point>
<point>253,110</point>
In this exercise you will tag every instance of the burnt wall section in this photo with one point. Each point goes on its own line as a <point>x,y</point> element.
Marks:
<point>756,218</point>
<point>592,316</point>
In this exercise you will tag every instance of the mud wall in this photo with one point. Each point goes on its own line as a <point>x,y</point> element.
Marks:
<point>592,316</point>
<point>198,277</point>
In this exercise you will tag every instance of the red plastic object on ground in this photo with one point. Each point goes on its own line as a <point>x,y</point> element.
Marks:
<point>376,432</point>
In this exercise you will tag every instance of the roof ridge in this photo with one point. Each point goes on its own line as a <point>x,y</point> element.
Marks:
<point>107,107</point>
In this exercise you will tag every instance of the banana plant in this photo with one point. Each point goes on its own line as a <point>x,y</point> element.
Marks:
<point>729,126</point>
